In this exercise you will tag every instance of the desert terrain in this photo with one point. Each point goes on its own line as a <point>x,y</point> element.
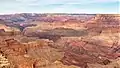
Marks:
<point>30,40</point>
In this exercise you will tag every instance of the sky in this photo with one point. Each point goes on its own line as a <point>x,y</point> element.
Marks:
<point>60,6</point>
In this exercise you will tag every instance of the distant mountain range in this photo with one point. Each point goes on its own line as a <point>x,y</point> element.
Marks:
<point>31,17</point>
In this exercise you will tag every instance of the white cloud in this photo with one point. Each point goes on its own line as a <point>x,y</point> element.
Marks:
<point>45,2</point>
<point>12,6</point>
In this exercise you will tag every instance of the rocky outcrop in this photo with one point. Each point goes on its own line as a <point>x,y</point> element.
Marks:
<point>113,64</point>
<point>4,62</point>
<point>8,31</point>
<point>104,22</point>
<point>13,50</point>
<point>33,54</point>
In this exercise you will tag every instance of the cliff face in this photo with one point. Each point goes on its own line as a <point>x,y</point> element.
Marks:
<point>88,50</point>
<point>36,54</point>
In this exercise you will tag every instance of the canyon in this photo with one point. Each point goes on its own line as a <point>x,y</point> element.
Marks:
<point>60,41</point>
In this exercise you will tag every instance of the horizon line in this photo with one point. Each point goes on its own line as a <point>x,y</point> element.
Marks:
<point>50,13</point>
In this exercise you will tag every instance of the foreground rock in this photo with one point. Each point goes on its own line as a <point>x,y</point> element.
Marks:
<point>35,54</point>
<point>113,64</point>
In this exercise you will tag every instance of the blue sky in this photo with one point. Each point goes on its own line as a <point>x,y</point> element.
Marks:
<point>59,6</point>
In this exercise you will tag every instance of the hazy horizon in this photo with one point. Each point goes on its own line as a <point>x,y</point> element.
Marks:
<point>60,6</point>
